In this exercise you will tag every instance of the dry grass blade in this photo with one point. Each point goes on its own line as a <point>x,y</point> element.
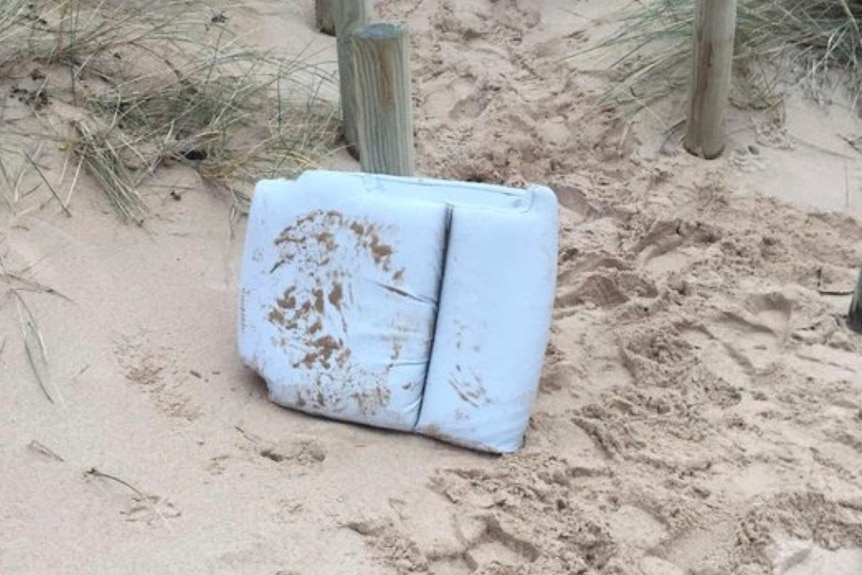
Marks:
<point>13,195</point>
<point>36,287</point>
<point>47,183</point>
<point>102,162</point>
<point>26,284</point>
<point>34,345</point>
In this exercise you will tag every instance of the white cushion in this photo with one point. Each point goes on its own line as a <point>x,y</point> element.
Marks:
<point>404,303</point>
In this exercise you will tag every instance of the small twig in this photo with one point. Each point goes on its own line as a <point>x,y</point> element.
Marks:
<point>39,448</point>
<point>80,373</point>
<point>96,473</point>
<point>249,436</point>
<point>146,499</point>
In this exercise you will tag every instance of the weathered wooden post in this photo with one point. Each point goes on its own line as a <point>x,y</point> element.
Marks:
<point>715,27</point>
<point>854,318</point>
<point>323,17</point>
<point>349,16</point>
<point>384,108</point>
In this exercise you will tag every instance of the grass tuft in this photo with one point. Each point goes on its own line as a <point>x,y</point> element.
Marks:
<point>144,85</point>
<point>777,41</point>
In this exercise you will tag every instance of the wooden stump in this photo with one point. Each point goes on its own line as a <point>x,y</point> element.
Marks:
<point>854,318</point>
<point>323,18</point>
<point>384,109</point>
<point>715,27</point>
<point>349,16</point>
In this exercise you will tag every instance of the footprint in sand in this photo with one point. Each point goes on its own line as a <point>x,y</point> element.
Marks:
<point>472,99</point>
<point>497,546</point>
<point>663,248</point>
<point>718,356</point>
<point>807,558</point>
<point>600,279</point>
<point>827,364</point>
<point>299,450</point>
<point>154,370</point>
<point>589,357</point>
<point>573,198</point>
<point>736,344</point>
<point>607,289</point>
<point>149,508</point>
<point>636,527</point>
<point>431,534</point>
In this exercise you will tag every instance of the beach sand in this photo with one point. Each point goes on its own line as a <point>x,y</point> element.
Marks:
<point>700,410</point>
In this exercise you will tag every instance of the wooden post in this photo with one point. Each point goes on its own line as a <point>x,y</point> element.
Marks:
<point>384,108</point>
<point>715,27</point>
<point>323,17</point>
<point>349,16</point>
<point>854,318</point>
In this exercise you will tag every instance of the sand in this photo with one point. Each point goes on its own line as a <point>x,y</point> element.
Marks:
<point>699,411</point>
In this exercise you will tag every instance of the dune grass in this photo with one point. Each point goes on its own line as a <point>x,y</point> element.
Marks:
<point>777,41</point>
<point>150,83</point>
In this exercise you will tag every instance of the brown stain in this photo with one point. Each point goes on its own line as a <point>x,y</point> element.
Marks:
<point>335,216</point>
<point>328,350</point>
<point>397,346</point>
<point>319,229</point>
<point>288,300</point>
<point>318,300</point>
<point>469,392</point>
<point>461,393</point>
<point>313,228</point>
<point>370,401</point>
<point>284,303</point>
<point>379,251</point>
<point>304,310</point>
<point>276,316</point>
<point>327,240</point>
<point>307,361</point>
<point>313,245</point>
<point>287,237</point>
<point>315,327</point>
<point>336,295</point>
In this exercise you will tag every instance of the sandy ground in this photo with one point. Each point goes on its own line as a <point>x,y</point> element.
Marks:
<point>700,409</point>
